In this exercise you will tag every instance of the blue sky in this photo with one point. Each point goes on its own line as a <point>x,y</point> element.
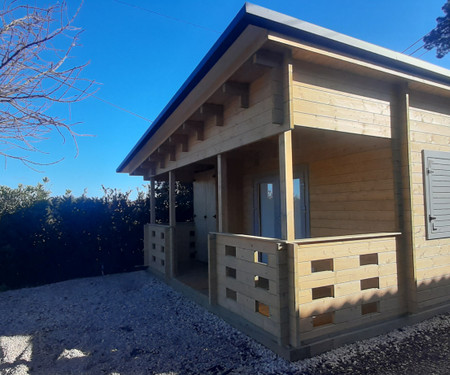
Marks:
<point>141,51</point>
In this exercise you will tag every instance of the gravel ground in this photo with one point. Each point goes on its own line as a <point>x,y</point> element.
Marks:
<point>135,324</point>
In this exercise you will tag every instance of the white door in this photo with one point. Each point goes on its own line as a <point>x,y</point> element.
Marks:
<point>204,211</point>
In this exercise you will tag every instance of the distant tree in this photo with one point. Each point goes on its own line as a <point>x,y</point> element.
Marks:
<point>439,37</point>
<point>35,44</point>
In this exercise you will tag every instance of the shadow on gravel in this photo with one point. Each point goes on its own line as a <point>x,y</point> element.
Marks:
<point>134,324</point>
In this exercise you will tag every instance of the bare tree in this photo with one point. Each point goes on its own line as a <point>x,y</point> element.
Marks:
<point>35,46</point>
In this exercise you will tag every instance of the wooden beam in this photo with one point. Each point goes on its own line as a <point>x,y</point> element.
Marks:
<point>152,201</point>
<point>168,149</point>
<point>139,171</point>
<point>215,110</point>
<point>171,254</point>
<point>267,58</point>
<point>158,158</point>
<point>286,186</point>
<point>222,193</point>
<point>238,89</point>
<point>403,194</point>
<point>182,139</point>
<point>197,126</point>
<point>149,166</point>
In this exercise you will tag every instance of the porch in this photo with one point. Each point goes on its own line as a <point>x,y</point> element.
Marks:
<point>298,293</point>
<point>303,235</point>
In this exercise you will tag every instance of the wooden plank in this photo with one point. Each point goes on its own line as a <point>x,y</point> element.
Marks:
<point>222,194</point>
<point>152,201</point>
<point>342,125</point>
<point>286,186</point>
<point>240,89</point>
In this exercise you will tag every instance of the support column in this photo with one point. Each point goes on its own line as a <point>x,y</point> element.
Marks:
<point>152,201</point>
<point>222,194</point>
<point>400,129</point>
<point>286,186</point>
<point>171,254</point>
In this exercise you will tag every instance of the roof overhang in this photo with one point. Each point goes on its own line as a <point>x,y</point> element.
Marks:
<point>259,21</point>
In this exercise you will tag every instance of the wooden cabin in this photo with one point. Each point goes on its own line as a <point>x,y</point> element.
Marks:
<point>321,179</point>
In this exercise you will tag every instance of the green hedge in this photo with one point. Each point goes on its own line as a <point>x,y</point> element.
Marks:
<point>47,239</point>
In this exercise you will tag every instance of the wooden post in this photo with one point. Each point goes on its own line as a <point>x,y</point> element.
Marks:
<point>222,194</point>
<point>212,268</point>
<point>400,130</point>
<point>283,294</point>
<point>152,201</point>
<point>286,186</point>
<point>171,254</point>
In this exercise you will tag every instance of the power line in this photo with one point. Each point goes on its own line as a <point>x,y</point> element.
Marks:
<point>417,50</point>
<point>120,108</point>
<point>166,16</point>
<point>417,41</point>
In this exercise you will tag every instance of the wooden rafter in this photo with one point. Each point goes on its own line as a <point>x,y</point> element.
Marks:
<point>215,110</point>
<point>196,126</point>
<point>267,58</point>
<point>238,89</point>
<point>182,139</point>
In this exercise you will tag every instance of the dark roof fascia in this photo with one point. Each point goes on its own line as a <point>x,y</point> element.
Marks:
<point>251,14</point>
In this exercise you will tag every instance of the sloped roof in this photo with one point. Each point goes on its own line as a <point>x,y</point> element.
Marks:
<point>318,36</point>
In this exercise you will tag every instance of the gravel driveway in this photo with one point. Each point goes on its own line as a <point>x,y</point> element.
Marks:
<point>135,324</point>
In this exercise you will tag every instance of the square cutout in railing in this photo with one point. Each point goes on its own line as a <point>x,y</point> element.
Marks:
<point>231,294</point>
<point>323,292</point>
<point>261,282</point>
<point>230,251</point>
<point>162,249</point>
<point>162,235</point>
<point>153,233</point>
<point>370,308</point>
<point>367,259</point>
<point>262,309</point>
<point>371,283</point>
<point>322,265</point>
<point>323,319</point>
<point>230,272</point>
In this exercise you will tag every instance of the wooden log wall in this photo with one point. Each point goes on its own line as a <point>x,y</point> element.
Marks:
<point>352,193</point>
<point>335,100</point>
<point>429,119</point>
<point>350,182</point>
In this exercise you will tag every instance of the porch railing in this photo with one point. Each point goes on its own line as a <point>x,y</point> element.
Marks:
<point>308,289</point>
<point>157,247</point>
<point>341,283</point>
<point>248,276</point>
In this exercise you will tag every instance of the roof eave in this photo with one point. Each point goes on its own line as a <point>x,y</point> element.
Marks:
<point>251,14</point>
